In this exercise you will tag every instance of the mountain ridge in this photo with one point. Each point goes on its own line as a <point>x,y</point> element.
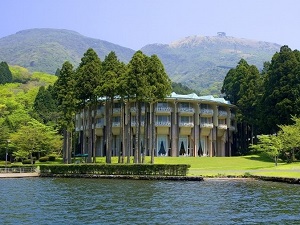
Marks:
<point>199,62</point>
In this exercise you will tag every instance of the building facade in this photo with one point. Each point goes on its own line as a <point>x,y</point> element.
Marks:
<point>181,125</point>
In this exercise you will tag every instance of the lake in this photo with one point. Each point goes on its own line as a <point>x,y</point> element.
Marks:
<point>105,201</point>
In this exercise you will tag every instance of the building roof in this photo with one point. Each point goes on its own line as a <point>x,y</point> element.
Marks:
<point>194,96</point>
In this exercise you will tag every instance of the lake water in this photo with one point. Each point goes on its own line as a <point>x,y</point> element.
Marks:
<point>101,201</point>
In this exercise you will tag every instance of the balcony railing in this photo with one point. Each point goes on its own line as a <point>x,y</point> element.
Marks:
<point>100,112</point>
<point>232,128</point>
<point>163,123</point>
<point>116,110</point>
<point>186,124</point>
<point>222,126</point>
<point>206,125</point>
<point>222,114</point>
<point>134,109</point>
<point>116,124</point>
<point>207,112</point>
<point>100,125</point>
<point>232,115</point>
<point>163,109</point>
<point>186,110</point>
<point>133,124</point>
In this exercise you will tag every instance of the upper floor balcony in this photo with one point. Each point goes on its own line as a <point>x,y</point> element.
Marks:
<point>163,109</point>
<point>133,123</point>
<point>186,110</point>
<point>134,109</point>
<point>206,112</point>
<point>163,123</point>
<point>206,125</point>
<point>186,124</point>
<point>222,126</point>
<point>222,114</point>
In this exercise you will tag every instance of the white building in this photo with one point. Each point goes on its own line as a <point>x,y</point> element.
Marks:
<point>184,125</point>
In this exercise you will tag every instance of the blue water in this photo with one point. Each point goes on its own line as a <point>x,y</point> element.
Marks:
<point>100,201</point>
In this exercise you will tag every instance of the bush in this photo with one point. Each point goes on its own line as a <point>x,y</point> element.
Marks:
<point>122,169</point>
<point>28,161</point>
<point>44,159</point>
<point>51,158</point>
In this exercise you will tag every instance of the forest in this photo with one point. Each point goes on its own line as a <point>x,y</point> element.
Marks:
<point>37,110</point>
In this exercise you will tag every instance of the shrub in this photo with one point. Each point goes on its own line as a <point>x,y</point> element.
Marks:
<point>51,158</point>
<point>44,159</point>
<point>122,169</point>
<point>28,161</point>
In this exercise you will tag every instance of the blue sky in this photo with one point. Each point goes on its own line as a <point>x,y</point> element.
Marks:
<point>135,23</point>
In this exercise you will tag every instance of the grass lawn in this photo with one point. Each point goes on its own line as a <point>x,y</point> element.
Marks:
<point>225,166</point>
<point>221,166</point>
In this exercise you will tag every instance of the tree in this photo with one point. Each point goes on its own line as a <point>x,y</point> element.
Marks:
<point>269,144</point>
<point>290,137</point>
<point>281,98</point>
<point>160,86</point>
<point>34,137</point>
<point>88,76</point>
<point>111,72</point>
<point>243,87</point>
<point>66,100</point>
<point>45,106</point>
<point>138,89</point>
<point>5,74</point>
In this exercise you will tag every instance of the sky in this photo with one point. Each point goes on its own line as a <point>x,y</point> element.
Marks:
<point>136,23</point>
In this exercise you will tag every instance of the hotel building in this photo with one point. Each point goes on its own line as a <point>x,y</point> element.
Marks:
<point>184,125</point>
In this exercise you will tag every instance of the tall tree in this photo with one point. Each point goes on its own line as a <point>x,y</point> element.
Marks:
<point>65,93</point>
<point>138,89</point>
<point>243,87</point>
<point>160,87</point>
<point>111,73</point>
<point>45,106</point>
<point>88,76</point>
<point>34,137</point>
<point>5,73</point>
<point>281,98</point>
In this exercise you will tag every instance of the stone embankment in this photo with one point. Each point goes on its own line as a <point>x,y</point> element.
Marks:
<point>131,177</point>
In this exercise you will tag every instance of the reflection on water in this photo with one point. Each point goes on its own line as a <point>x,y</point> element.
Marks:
<point>97,201</point>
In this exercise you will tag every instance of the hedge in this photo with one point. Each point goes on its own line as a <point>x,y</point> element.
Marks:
<point>117,169</point>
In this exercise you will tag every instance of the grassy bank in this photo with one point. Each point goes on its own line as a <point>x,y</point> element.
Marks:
<point>223,166</point>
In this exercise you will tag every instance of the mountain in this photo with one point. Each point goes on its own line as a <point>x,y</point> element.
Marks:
<point>200,62</point>
<point>47,49</point>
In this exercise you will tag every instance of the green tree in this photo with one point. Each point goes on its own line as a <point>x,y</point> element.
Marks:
<point>243,87</point>
<point>5,73</point>
<point>34,137</point>
<point>281,97</point>
<point>290,137</point>
<point>88,76</point>
<point>160,86</point>
<point>45,106</point>
<point>269,144</point>
<point>138,89</point>
<point>111,72</point>
<point>66,100</point>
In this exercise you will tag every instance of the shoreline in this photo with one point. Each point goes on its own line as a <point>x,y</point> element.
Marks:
<point>145,177</point>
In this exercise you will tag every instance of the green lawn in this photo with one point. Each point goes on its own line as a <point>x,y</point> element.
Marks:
<point>222,166</point>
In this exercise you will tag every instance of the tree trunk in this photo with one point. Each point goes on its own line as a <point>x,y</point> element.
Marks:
<point>65,146</point>
<point>146,133</point>
<point>152,116</point>
<point>137,134</point>
<point>84,131</point>
<point>140,133</point>
<point>90,135</point>
<point>123,124</point>
<point>108,110</point>
<point>94,133</point>
<point>128,126</point>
